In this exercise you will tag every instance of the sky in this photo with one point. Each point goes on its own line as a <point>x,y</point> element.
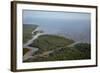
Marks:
<point>32,16</point>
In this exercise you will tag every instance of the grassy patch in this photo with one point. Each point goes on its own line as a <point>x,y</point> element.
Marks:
<point>78,52</point>
<point>47,43</point>
<point>64,54</point>
<point>50,42</point>
<point>27,31</point>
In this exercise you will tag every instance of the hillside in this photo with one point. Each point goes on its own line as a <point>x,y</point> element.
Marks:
<point>27,31</point>
<point>50,42</point>
<point>55,48</point>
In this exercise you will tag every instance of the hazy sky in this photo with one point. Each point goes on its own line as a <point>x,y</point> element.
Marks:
<point>31,17</point>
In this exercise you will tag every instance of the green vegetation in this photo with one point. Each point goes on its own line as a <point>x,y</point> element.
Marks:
<point>84,48</point>
<point>25,50</point>
<point>67,53</point>
<point>27,31</point>
<point>57,44</point>
<point>50,42</point>
<point>77,52</point>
